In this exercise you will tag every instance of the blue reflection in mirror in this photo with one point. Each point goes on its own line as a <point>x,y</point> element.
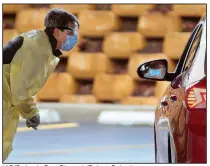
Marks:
<point>154,73</point>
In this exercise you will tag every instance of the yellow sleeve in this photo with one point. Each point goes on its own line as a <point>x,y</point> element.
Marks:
<point>26,77</point>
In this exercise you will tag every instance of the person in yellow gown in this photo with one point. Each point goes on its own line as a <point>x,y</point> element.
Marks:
<point>28,60</point>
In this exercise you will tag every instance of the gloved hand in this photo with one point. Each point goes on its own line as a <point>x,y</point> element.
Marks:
<point>34,121</point>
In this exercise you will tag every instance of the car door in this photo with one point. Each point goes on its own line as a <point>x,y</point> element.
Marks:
<point>170,113</point>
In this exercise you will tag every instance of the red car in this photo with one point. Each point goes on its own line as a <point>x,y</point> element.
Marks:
<point>180,118</point>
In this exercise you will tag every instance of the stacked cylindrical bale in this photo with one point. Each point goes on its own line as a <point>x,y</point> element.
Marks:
<point>102,66</point>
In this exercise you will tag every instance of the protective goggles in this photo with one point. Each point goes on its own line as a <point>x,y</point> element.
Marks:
<point>71,31</point>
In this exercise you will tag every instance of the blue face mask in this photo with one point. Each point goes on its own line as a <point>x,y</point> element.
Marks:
<point>70,42</point>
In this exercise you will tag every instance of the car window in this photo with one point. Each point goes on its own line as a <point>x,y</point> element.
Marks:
<point>196,63</point>
<point>192,51</point>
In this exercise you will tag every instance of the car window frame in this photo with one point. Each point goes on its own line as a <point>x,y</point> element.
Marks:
<point>200,30</point>
<point>205,64</point>
<point>185,53</point>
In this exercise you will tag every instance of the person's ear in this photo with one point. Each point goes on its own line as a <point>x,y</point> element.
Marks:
<point>56,31</point>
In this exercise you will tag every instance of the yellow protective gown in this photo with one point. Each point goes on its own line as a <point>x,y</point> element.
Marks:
<point>22,79</point>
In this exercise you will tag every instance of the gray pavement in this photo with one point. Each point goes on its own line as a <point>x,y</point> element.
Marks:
<point>86,143</point>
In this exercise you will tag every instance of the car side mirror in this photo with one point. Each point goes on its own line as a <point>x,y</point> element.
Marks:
<point>154,70</point>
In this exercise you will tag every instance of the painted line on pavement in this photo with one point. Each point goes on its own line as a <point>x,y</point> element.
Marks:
<point>89,149</point>
<point>49,126</point>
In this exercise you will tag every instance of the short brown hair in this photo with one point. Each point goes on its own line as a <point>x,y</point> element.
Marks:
<point>59,18</point>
